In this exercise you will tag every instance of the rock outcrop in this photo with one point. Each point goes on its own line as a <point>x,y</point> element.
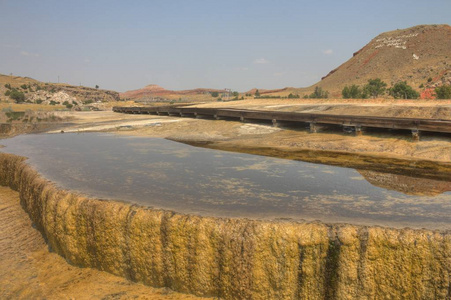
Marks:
<point>234,258</point>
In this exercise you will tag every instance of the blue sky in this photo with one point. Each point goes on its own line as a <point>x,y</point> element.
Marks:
<point>124,45</point>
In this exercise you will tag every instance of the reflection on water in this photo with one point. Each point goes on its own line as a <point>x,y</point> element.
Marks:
<point>165,174</point>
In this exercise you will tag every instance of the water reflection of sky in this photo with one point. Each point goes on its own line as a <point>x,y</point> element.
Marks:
<point>170,175</point>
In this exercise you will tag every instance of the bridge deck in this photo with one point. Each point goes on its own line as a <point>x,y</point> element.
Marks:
<point>414,124</point>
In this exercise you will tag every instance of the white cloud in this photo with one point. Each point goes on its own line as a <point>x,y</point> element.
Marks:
<point>261,61</point>
<point>328,51</point>
<point>25,53</point>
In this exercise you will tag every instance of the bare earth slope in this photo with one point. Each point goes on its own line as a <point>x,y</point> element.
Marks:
<point>414,55</point>
<point>153,91</point>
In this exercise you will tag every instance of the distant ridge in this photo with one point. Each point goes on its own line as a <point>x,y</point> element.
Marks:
<point>156,91</point>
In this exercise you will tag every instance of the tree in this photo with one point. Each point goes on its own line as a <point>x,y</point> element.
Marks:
<point>353,92</point>
<point>97,86</point>
<point>235,94</point>
<point>443,92</point>
<point>402,90</point>
<point>319,94</point>
<point>214,94</point>
<point>375,87</point>
<point>257,93</point>
<point>17,96</point>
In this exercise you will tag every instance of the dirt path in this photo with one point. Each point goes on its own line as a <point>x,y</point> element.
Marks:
<point>29,271</point>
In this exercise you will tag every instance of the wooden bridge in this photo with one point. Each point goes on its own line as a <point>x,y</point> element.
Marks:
<point>348,122</point>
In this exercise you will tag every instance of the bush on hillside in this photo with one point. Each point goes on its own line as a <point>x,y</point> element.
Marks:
<point>353,92</point>
<point>17,96</point>
<point>402,90</point>
<point>443,92</point>
<point>319,94</point>
<point>375,88</point>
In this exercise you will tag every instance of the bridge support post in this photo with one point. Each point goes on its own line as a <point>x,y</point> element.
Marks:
<point>216,117</point>
<point>274,123</point>
<point>313,127</point>
<point>415,135</point>
<point>242,119</point>
<point>358,130</point>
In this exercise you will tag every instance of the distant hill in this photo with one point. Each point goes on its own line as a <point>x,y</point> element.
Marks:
<point>155,92</point>
<point>420,55</point>
<point>54,93</point>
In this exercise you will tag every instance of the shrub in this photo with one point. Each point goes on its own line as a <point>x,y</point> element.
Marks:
<point>319,94</point>
<point>8,86</point>
<point>214,94</point>
<point>443,92</point>
<point>293,96</point>
<point>53,102</point>
<point>402,90</point>
<point>17,96</point>
<point>69,106</point>
<point>39,101</point>
<point>429,79</point>
<point>89,101</point>
<point>24,86</point>
<point>235,94</point>
<point>375,87</point>
<point>7,93</point>
<point>353,92</point>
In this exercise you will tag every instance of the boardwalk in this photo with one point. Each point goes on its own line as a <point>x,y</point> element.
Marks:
<point>355,123</point>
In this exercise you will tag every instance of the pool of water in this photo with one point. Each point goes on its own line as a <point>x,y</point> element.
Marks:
<point>165,174</point>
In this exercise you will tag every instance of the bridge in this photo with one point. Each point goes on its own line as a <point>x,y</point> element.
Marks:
<point>348,122</point>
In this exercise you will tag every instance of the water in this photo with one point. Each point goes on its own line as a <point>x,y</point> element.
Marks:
<point>164,174</point>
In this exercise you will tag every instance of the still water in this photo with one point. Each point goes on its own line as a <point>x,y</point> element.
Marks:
<point>165,174</point>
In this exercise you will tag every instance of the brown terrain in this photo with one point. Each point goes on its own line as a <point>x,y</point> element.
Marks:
<point>414,55</point>
<point>155,92</point>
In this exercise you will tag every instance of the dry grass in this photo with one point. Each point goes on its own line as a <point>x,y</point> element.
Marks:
<point>30,106</point>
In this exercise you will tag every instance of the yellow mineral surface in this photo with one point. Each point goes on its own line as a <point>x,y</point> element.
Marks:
<point>233,258</point>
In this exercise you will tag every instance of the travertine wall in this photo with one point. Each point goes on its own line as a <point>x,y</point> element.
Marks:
<point>234,258</point>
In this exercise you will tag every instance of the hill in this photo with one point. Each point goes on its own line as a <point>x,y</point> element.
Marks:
<point>53,93</point>
<point>155,92</point>
<point>420,55</point>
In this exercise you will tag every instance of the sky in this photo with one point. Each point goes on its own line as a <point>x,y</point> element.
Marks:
<point>126,45</point>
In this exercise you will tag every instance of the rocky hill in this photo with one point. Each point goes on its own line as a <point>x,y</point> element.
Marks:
<point>420,55</point>
<point>38,92</point>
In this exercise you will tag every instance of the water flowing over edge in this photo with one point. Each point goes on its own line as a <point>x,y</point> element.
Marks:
<point>234,258</point>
